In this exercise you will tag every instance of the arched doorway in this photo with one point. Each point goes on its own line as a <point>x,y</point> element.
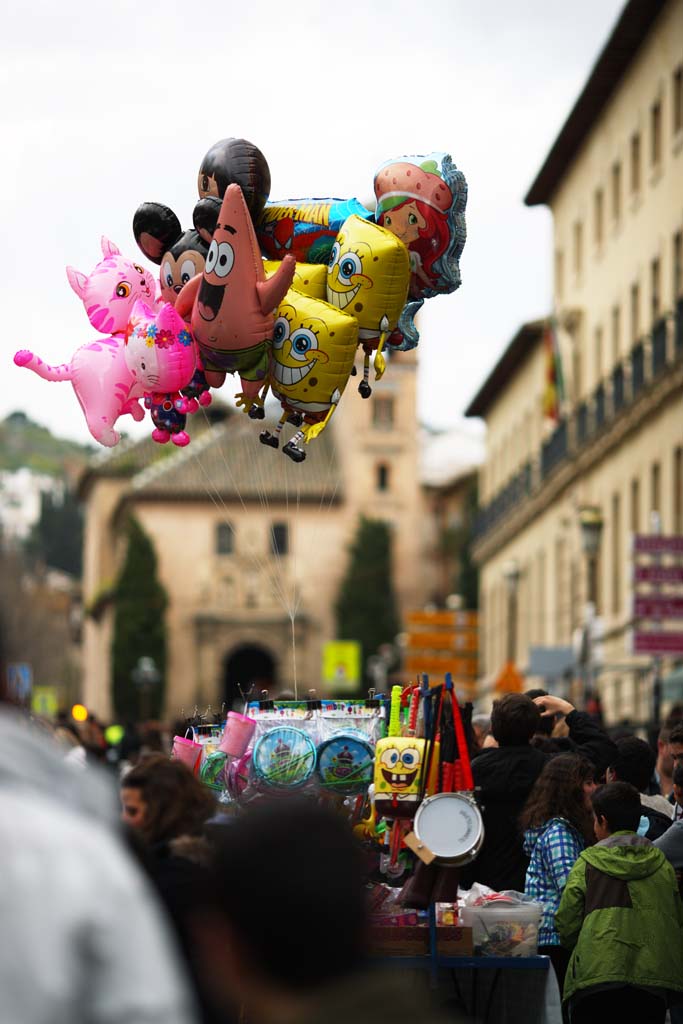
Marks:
<point>248,664</point>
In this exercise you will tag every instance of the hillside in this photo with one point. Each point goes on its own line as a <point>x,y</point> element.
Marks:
<point>25,443</point>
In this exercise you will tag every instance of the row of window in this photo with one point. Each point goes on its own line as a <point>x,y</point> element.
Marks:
<point>628,511</point>
<point>610,201</point>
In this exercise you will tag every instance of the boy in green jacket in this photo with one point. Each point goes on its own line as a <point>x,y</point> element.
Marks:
<point>621,914</point>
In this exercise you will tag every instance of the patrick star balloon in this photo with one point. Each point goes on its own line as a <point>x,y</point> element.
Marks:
<point>231,305</point>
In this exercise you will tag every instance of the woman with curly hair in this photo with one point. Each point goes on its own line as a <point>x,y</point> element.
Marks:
<point>557,824</point>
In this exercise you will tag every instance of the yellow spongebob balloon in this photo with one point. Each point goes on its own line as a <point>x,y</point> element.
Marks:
<point>398,774</point>
<point>314,346</point>
<point>368,276</point>
<point>309,278</point>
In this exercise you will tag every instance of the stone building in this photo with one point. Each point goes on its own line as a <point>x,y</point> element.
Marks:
<point>613,180</point>
<point>251,547</point>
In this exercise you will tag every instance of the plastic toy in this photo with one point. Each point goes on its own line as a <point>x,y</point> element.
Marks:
<point>180,254</point>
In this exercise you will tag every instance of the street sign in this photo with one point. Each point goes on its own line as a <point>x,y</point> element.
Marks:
<point>440,664</point>
<point>19,680</point>
<point>465,641</point>
<point>551,662</point>
<point>45,701</point>
<point>657,642</point>
<point>657,606</point>
<point>341,665</point>
<point>657,544</point>
<point>658,574</point>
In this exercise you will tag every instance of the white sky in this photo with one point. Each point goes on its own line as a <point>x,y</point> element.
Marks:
<point>106,105</point>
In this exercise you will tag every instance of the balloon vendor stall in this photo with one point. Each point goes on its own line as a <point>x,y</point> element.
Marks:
<point>399,769</point>
<point>280,293</point>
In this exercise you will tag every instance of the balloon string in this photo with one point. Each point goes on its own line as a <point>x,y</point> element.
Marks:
<point>296,685</point>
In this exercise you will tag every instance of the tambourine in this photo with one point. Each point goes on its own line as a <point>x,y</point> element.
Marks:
<point>283,758</point>
<point>346,764</point>
<point>451,827</point>
<point>211,772</point>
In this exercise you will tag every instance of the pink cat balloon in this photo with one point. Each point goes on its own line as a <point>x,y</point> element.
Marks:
<point>104,386</point>
<point>161,355</point>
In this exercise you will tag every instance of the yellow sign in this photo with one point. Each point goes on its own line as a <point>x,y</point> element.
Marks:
<point>79,713</point>
<point>45,701</point>
<point>341,666</point>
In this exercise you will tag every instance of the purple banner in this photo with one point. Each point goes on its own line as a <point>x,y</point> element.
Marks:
<point>658,606</point>
<point>658,574</point>
<point>657,643</point>
<point>654,544</point>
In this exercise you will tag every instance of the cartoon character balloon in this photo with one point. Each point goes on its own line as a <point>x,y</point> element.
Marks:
<point>98,373</point>
<point>368,276</point>
<point>306,228</point>
<point>180,254</point>
<point>314,346</point>
<point>160,354</point>
<point>236,162</point>
<point>231,306</point>
<point>422,199</point>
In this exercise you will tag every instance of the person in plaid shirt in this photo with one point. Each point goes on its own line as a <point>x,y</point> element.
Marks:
<point>557,824</point>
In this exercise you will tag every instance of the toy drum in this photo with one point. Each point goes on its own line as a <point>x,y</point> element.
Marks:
<point>451,826</point>
<point>346,764</point>
<point>212,772</point>
<point>283,758</point>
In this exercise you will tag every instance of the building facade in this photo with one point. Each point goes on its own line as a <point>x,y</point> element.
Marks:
<point>614,183</point>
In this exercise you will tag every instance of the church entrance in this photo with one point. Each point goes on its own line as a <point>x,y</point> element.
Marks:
<point>247,665</point>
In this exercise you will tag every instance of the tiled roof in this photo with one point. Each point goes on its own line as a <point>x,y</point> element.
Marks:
<point>229,462</point>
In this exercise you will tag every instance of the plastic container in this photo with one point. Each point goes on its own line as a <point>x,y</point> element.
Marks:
<point>503,929</point>
<point>187,751</point>
<point>237,734</point>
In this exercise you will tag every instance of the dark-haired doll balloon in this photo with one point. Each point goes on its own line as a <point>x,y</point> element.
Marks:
<point>236,162</point>
<point>180,254</point>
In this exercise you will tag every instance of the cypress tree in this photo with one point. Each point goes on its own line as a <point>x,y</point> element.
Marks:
<point>139,628</point>
<point>366,607</point>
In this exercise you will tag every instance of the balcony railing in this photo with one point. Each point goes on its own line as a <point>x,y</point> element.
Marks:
<point>658,347</point>
<point>618,393</point>
<point>637,368</point>
<point>554,450</point>
<point>599,406</point>
<point>646,361</point>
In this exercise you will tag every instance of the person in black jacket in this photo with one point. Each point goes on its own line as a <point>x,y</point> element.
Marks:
<point>504,776</point>
<point>634,762</point>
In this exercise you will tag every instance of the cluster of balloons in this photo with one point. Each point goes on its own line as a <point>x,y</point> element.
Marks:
<point>280,293</point>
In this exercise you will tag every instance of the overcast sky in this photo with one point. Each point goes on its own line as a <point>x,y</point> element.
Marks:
<point>107,105</point>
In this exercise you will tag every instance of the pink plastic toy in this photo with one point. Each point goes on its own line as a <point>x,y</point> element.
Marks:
<point>237,734</point>
<point>160,354</point>
<point>103,384</point>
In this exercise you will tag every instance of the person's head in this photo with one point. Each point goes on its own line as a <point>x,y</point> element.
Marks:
<point>664,760</point>
<point>562,790</point>
<point>676,744</point>
<point>634,763</point>
<point>514,720</point>
<point>481,727</point>
<point>616,808</point>
<point>545,726</point>
<point>163,799</point>
<point>288,911</point>
<point>677,779</point>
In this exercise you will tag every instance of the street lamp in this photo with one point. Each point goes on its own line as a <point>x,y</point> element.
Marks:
<point>590,522</point>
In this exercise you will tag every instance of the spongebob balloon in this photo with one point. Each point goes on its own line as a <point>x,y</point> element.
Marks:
<point>368,276</point>
<point>398,774</point>
<point>309,278</point>
<point>314,346</point>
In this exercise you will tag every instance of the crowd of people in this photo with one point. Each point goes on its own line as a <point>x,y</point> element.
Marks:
<point>135,899</point>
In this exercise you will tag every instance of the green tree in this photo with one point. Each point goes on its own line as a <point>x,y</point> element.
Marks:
<point>366,608</point>
<point>57,537</point>
<point>139,627</point>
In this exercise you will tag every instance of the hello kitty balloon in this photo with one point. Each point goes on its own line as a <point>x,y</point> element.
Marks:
<point>160,353</point>
<point>103,384</point>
